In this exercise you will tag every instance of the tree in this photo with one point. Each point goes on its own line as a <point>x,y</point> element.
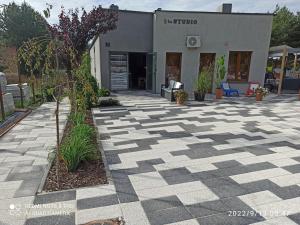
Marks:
<point>294,35</point>
<point>76,31</point>
<point>283,26</point>
<point>21,23</point>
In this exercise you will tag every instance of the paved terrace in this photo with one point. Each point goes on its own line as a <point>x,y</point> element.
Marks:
<point>24,161</point>
<point>220,163</point>
<point>208,163</point>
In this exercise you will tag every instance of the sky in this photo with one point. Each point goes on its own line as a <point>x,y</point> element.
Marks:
<point>151,5</point>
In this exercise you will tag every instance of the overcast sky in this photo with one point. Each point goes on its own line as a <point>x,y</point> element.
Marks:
<point>151,5</point>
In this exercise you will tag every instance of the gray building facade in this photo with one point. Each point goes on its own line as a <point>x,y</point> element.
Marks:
<point>148,49</point>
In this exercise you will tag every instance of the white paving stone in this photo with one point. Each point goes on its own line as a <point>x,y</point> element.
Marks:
<point>107,212</point>
<point>169,190</point>
<point>194,197</point>
<point>259,175</point>
<point>134,214</point>
<point>91,192</point>
<point>288,180</point>
<point>280,208</point>
<point>284,162</point>
<point>147,180</point>
<point>259,198</point>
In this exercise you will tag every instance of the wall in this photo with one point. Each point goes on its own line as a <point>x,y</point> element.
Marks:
<point>95,59</point>
<point>133,34</point>
<point>220,33</point>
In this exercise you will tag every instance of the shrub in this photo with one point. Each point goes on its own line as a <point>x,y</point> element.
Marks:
<point>78,146</point>
<point>221,71</point>
<point>48,94</point>
<point>103,92</point>
<point>86,84</point>
<point>203,82</point>
<point>109,102</point>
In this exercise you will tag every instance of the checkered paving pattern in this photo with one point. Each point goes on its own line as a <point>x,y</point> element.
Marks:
<point>228,162</point>
<point>24,160</point>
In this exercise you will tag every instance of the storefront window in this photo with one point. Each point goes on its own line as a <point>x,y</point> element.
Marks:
<point>173,67</point>
<point>239,66</point>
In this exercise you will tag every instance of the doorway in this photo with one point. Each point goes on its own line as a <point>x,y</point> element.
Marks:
<point>173,67</point>
<point>207,61</point>
<point>137,71</point>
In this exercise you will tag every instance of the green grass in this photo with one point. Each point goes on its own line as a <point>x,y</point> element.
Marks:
<point>78,146</point>
<point>77,118</point>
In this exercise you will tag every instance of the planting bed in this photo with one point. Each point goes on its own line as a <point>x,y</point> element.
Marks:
<point>88,173</point>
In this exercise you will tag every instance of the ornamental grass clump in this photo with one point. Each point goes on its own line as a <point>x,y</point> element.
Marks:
<point>77,118</point>
<point>78,147</point>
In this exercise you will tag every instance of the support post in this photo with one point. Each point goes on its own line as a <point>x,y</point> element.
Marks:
<point>20,83</point>
<point>2,104</point>
<point>295,61</point>
<point>284,54</point>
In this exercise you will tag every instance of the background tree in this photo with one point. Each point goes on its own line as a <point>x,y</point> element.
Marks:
<point>294,35</point>
<point>284,24</point>
<point>21,23</point>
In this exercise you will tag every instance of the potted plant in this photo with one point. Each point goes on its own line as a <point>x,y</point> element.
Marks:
<point>260,93</point>
<point>221,71</point>
<point>181,97</point>
<point>203,84</point>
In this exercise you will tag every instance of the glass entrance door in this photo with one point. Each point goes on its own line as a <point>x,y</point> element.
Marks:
<point>151,72</point>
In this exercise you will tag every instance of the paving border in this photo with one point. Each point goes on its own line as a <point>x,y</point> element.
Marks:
<point>100,148</point>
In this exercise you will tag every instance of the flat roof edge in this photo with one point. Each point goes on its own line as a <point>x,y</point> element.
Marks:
<point>204,12</point>
<point>220,13</point>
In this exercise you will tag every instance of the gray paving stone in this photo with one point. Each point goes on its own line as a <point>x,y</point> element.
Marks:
<point>295,217</point>
<point>218,182</point>
<point>171,215</point>
<point>293,168</point>
<point>55,197</point>
<point>51,220</point>
<point>230,190</point>
<point>161,204</point>
<point>28,188</point>
<point>175,172</point>
<point>96,202</point>
<point>171,180</point>
<point>225,164</point>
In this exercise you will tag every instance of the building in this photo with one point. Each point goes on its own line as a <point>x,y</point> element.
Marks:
<point>148,49</point>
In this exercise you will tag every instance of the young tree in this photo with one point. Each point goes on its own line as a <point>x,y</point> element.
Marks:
<point>76,31</point>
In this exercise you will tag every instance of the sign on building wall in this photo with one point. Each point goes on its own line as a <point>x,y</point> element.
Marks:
<point>181,21</point>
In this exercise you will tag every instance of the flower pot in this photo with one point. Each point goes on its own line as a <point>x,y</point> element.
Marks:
<point>219,93</point>
<point>259,96</point>
<point>199,96</point>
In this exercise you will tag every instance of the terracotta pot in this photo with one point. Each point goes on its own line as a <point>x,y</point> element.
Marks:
<point>259,96</point>
<point>199,96</point>
<point>219,93</point>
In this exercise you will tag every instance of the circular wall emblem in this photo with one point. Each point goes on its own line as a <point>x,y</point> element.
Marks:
<point>192,41</point>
